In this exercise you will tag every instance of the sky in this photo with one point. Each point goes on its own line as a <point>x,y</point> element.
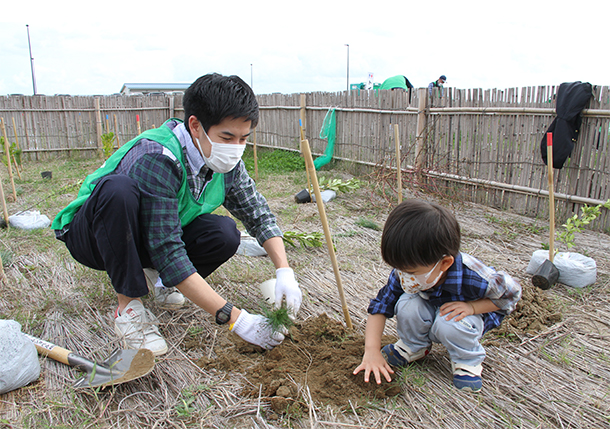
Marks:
<point>81,48</point>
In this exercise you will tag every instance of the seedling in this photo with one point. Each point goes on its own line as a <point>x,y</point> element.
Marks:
<point>338,185</point>
<point>278,318</point>
<point>577,223</point>
<point>306,239</point>
<point>108,144</point>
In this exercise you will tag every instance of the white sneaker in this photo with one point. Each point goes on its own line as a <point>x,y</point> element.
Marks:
<point>168,297</point>
<point>137,328</point>
<point>163,296</point>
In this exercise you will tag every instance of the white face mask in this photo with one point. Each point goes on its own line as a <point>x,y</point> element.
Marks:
<point>413,283</point>
<point>223,156</point>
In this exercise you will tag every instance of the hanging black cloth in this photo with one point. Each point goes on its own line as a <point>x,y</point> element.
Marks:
<point>572,97</point>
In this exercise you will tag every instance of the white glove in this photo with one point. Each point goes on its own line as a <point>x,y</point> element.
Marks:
<point>286,285</point>
<point>255,329</point>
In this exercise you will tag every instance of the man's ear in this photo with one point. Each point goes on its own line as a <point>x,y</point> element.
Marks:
<point>447,262</point>
<point>194,124</point>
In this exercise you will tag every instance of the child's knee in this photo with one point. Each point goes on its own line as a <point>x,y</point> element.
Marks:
<point>447,330</point>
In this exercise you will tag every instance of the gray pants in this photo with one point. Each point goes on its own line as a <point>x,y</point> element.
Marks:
<point>420,325</point>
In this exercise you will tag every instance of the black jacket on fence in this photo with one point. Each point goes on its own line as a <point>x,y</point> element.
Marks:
<point>572,97</point>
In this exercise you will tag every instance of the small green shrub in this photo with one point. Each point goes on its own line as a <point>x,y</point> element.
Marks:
<point>108,144</point>
<point>365,223</point>
<point>577,223</point>
<point>306,239</point>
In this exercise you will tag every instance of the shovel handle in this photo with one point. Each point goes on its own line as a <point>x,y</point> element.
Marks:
<point>45,348</point>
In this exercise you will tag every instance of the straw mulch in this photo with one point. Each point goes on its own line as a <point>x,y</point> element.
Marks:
<point>548,368</point>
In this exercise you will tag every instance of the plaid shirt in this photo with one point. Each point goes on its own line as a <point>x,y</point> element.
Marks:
<point>468,279</point>
<point>159,177</point>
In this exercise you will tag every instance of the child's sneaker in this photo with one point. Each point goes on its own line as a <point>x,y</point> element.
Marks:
<point>467,378</point>
<point>164,296</point>
<point>399,354</point>
<point>137,328</point>
<point>169,297</point>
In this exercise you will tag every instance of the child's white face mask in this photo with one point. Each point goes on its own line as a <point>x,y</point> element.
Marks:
<point>223,156</point>
<point>413,283</point>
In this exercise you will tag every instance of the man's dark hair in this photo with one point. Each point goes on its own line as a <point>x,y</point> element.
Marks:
<point>418,233</point>
<point>214,97</point>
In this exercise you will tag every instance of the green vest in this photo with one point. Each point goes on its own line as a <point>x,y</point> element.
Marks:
<point>188,208</point>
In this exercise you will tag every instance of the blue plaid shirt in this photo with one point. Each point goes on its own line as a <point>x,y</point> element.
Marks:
<point>468,279</point>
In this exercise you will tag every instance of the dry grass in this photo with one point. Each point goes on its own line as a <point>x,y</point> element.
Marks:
<point>556,377</point>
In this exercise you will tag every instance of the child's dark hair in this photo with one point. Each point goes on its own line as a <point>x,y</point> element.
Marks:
<point>418,233</point>
<point>214,97</point>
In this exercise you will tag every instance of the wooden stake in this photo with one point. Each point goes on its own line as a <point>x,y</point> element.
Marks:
<point>2,275</point>
<point>16,137</point>
<point>329,241</point>
<point>116,133</point>
<point>138,121</point>
<point>306,166</point>
<point>16,166</point>
<point>98,127</point>
<point>549,161</point>
<point>398,163</point>
<point>4,209</point>
<point>8,158</point>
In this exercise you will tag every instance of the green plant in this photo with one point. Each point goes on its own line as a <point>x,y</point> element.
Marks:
<point>7,257</point>
<point>108,144</point>
<point>365,223</point>
<point>338,185</point>
<point>577,223</point>
<point>14,153</point>
<point>278,318</point>
<point>185,407</point>
<point>306,239</point>
<point>273,161</point>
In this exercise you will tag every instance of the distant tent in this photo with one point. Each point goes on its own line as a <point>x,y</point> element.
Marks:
<point>397,82</point>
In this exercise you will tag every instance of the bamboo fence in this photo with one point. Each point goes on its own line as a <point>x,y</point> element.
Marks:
<point>478,145</point>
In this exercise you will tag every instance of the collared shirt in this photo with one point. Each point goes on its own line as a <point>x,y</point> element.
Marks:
<point>468,279</point>
<point>159,177</point>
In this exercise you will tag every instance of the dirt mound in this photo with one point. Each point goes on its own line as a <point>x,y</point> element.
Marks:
<point>319,353</point>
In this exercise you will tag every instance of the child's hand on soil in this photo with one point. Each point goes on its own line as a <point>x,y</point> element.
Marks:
<point>457,309</point>
<point>375,363</point>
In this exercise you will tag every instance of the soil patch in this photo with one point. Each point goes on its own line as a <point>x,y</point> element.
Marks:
<point>319,354</point>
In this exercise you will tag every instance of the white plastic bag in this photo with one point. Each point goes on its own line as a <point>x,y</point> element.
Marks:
<point>575,270</point>
<point>248,246</point>
<point>29,220</point>
<point>18,357</point>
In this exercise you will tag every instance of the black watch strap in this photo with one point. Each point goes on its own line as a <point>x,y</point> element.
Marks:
<point>223,315</point>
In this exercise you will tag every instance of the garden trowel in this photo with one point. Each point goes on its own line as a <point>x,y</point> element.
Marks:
<point>121,365</point>
<point>547,273</point>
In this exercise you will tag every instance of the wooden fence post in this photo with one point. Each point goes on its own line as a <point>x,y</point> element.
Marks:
<point>420,138</point>
<point>303,116</point>
<point>398,163</point>
<point>172,109</point>
<point>98,122</point>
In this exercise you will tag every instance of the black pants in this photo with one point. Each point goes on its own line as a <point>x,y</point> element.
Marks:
<point>106,234</point>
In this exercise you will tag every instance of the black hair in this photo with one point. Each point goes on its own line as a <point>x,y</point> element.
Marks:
<point>214,97</point>
<point>418,233</point>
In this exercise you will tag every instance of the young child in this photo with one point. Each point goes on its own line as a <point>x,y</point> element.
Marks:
<point>437,294</point>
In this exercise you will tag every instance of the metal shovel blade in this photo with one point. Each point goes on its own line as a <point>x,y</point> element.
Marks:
<point>120,367</point>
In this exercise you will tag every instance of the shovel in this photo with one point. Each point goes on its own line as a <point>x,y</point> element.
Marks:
<point>121,365</point>
<point>547,274</point>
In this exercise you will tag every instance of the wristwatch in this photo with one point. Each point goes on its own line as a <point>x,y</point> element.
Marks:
<point>223,315</point>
